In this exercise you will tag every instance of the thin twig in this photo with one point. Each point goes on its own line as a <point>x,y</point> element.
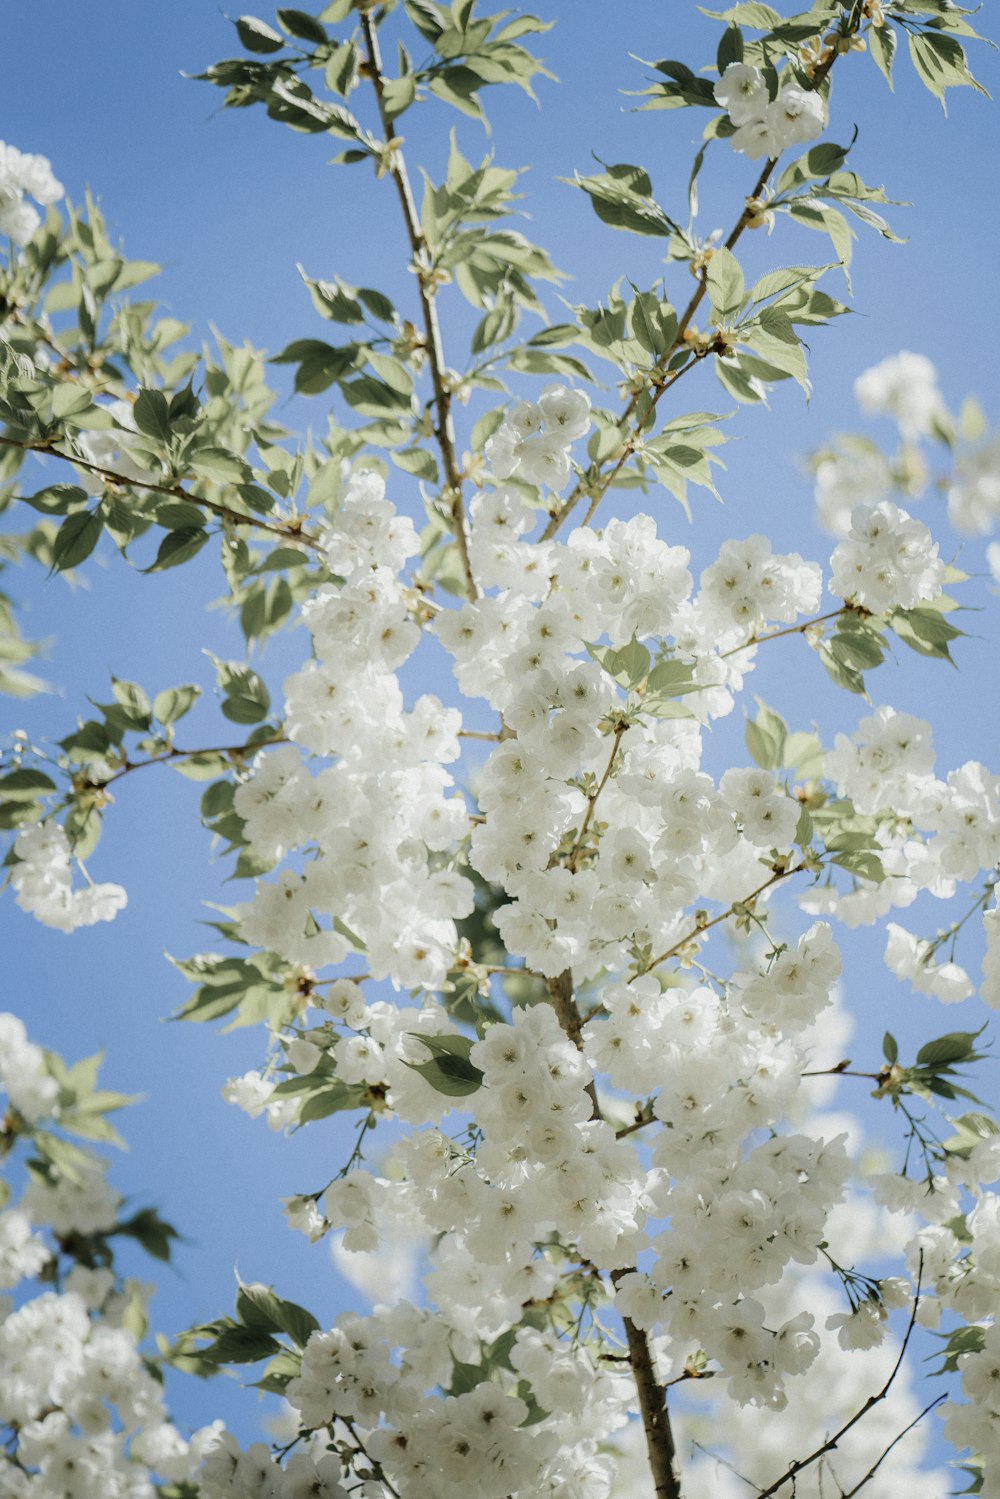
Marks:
<point>290,531</point>
<point>620,729</point>
<point>800,629</point>
<point>658,383</point>
<point>906,1429</point>
<point>796,1467</point>
<point>171,755</point>
<point>444,429</point>
<point>706,926</point>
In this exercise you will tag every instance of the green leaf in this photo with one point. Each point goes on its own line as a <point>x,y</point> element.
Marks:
<point>151,1231</point>
<point>940,63</point>
<point>726,290</point>
<point>302,25</point>
<point>152,414</point>
<point>75,540</point>
<point>332,1099</point>
<point>133,701</point>
<point>627,666</point>
<point>258,1307</point>
<point>622,205</point>
<point>178,547</point>
<point>25,784</point>
<point>957,1046</point>
<point>245,697</point>
<point>240,1345</point>
<point>257,36</point>
<point>882,44</point>
<point>890,1050</point>
<point>450,1071</point>
<point>173,702</point>
<point>862,863</point>
<point>342,68</point>
<point>766,738</point>
<point>69,400</point>
<point>730,47</point>
<point>925,631</point>
<point>219,464</point>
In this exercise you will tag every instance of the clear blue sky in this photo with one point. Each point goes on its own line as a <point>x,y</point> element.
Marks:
<point>229,202</point>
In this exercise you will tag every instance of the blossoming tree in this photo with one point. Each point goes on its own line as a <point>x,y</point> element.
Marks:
<point>575,990</point>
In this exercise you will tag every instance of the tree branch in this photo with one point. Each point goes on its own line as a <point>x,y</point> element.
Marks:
<point>290,531</point>
<point>444,429</point>
<point>171,755</point>
<point>620,729</point>
<point>706,926</point>
<point>831,1442</point>
<point>906,1429</point>
<point>653,1406</point>
<point>659,383</point>
<point>652,1395</point>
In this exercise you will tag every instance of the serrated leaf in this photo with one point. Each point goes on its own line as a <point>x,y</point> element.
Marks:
<point>218,464</point>
<point>152,414</point>
<point>956,1046</point>
<point>173,702</point>
<point>724,280</point>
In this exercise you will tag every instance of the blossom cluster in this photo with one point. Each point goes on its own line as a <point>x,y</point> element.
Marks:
<point>42,880</point>
<point>766,126</point>
<point>533,441</point>
<point>23,175</point>
<point>376,818</point>
<point>855,470</point>
<point>86,1416</point>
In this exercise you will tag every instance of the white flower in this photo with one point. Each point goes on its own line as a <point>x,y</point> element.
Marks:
<point>904,386</point>
<point>742,91</point>
<point>912,959</point>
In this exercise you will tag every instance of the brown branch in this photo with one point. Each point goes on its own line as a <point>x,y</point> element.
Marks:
<point>706,926</point>
<point>796,1467</point>
<point>290,531</point>
<point>171,755</point>
<point>652,1395</point>
<point>653,1406</point>
<point>620,729</point>
<point>807,624</point>
<point>658,383</point>
<point>906,1429</point>
<point>444,429</point>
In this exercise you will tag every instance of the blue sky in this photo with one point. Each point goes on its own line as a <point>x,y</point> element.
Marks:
<point>229,202</point>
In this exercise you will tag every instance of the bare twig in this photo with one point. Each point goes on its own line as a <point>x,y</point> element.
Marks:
<point>906,1429</point>
<point>796,1467</point>
<point>444,429</point>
